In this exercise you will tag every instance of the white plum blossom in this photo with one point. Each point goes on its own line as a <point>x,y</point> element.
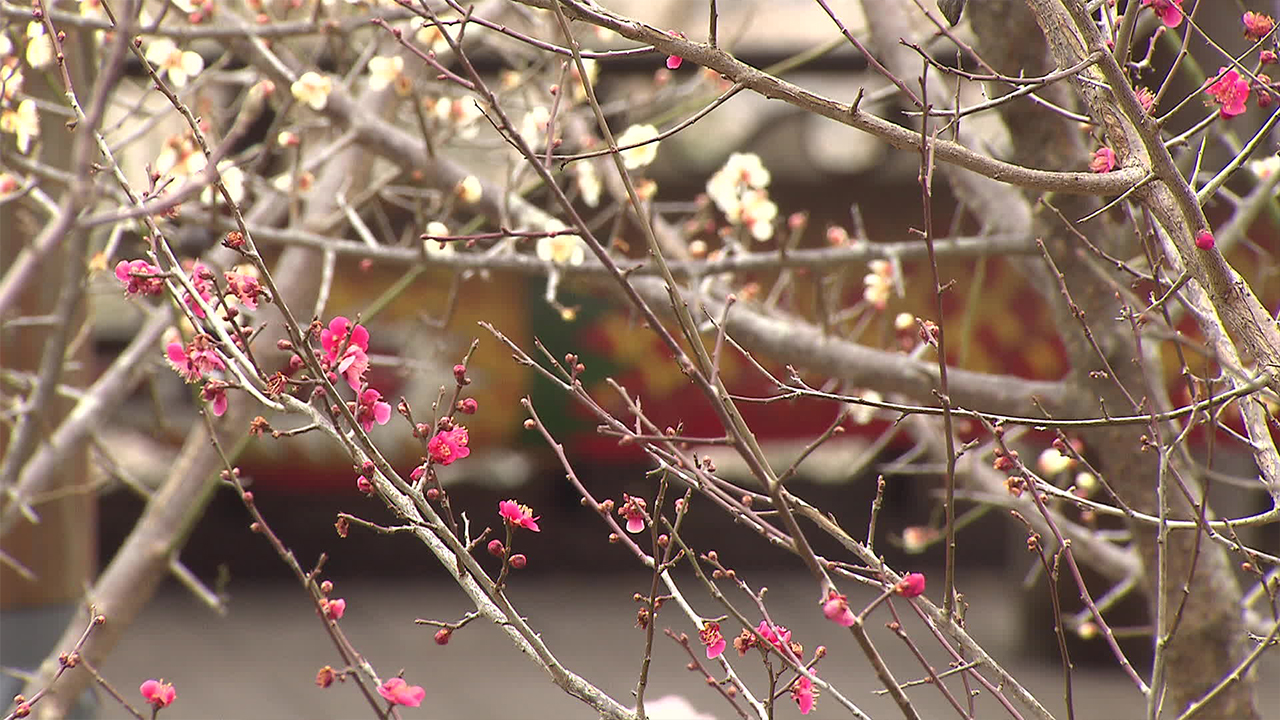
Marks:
<point>588,182</point>
<point>864,414</point>
<point>1052,462</point>
<point>757,214</point>
<point>461,114</point>
<point>23,123</point>
<point>180,157</point>
<point>179,65</point>
<point>533,127</point>
<point>566,249</point>
<point>638,157</point>
<point>469,190</point>
<point>593,72</point>
<point>738,189</point>
<point>286,182</point>
<point>384,71</point>
<point>434,247</point>
<point>1264,168</point>
<point>39,45</point>
<point>313,89</point>
<point>10,81</point>
<point>742,171</point>
<point>429,34</point>
<point>878,283</point>
<point>232,178</point>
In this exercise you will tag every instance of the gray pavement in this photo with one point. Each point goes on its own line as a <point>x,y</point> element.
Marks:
<point>260,661</point>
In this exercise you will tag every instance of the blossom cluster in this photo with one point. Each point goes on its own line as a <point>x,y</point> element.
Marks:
<point>740,190</point>
<point>345,350</point>
<point>878,284</point>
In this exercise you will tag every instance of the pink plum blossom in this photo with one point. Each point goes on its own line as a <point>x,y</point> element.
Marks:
<point>1257,26</point>
<point>334,609</point>
<point>196,359</point>
<point>712,638</point>
<point>214,392</point>
<point>633,510</point>
<point>158,693</point>
<point>1169,11</point>
<point>202,280</point>
<point>345,349</point>
<point>804,693</point>
<point>140,277</point>
<point>1230,91</point>
<point>244,287</point>
<point>518,515</point>
<point>775,634</point>
<point>371,409</point>
<point>1104,160</point>
<point>449,445</point>
<point>399,692</point>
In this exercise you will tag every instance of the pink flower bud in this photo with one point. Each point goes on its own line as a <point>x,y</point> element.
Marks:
<point>1204,240</point>
<point>836,609</point>
<point>519,561</point>
<point>496,548</point>
<point>443,635</point>
<point>911,585</point>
